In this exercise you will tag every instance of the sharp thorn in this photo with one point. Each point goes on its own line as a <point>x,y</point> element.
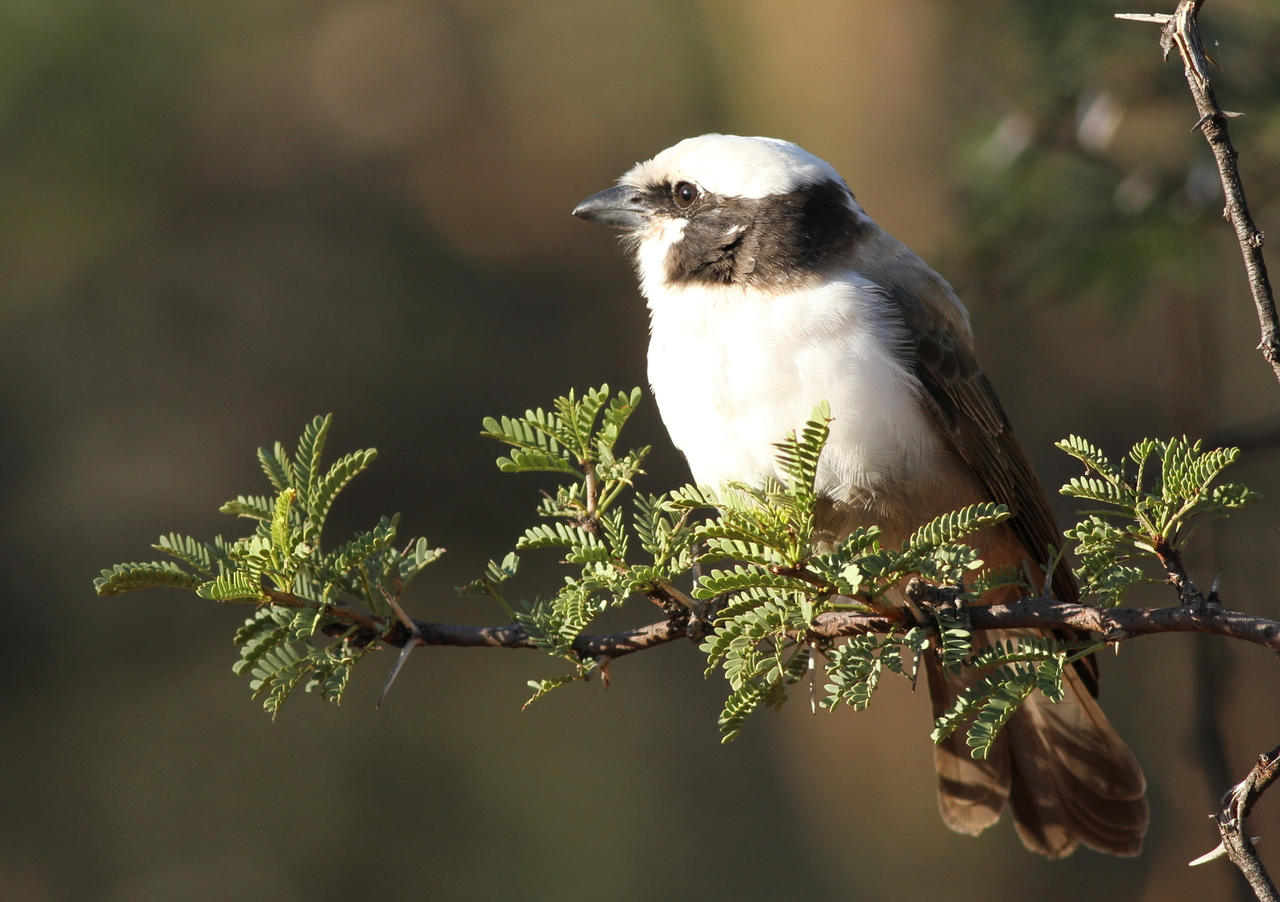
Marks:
<point>1161,18</point>
<point>395,671</point>
<point>1217,853</point>
<point>813,684</point>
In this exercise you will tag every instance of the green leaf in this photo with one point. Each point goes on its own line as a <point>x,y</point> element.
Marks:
<point>558,535</point>
<point>421,554</point>
<point>718,581</point>
<point>691,497</point>
<point>996,711</point>
<point>187,550</point>
<point>543,687</point>
<point>310,450</point>
<point>854,670</point>
<point>535,461</point>
<point>1090,456</point>
<point>361,548</point>
<point>253,507</point>
<point>342,472</point>
<point>1022,649</point>
<point>617,414</point>
<point>1233,495</point>
<point>237,586</point>
<point>126,577</point>
<point>281,536</point>
<point>277,674</point>
<point>737,708</point>
<point>799,454</point>
<point>265,631</point>
<point>277,466</point>
<point>1049,678</point>
<point>955,525</point>
<point>955,640</point>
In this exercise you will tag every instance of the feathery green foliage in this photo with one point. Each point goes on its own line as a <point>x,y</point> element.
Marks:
<point>316,608</point>
<point>321,611</point>
<point>1153,511</point>
<point>783,581</point>
<point>577,439</point>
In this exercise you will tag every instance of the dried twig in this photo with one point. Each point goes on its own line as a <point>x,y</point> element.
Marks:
<point>1181,30</point>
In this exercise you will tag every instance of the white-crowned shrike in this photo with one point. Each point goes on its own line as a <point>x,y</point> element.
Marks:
<point>771,290</point>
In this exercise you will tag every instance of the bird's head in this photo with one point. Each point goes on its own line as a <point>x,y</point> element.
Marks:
<point>728,210</point>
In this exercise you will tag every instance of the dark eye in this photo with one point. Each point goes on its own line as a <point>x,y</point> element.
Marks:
<point>685,193</point>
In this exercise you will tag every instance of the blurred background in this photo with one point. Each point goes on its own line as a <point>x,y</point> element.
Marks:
<point>220,219</point>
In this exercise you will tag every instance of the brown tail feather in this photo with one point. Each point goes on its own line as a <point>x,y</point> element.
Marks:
<point>971,792</point>
<point>1067,776</point>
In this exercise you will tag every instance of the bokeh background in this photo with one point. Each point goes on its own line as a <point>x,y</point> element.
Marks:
<point>219,219</point>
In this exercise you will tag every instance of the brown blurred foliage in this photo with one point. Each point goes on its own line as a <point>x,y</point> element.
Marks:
<point>217,220</point>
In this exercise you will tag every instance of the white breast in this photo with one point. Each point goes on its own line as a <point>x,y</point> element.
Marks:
<point>735,369</point>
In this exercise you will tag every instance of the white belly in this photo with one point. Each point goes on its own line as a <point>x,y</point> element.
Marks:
<point>734,370</point>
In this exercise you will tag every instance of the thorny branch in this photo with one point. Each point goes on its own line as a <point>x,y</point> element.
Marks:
<point>1113,625</point>
<point>1236,844</point>
<point>1181,30</point>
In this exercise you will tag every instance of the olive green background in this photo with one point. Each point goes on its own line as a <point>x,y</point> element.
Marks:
<point>220,219</point>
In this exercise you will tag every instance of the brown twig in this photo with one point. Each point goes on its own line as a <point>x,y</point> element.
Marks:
<point>1181,30</point>
<point>1236,844</point>
<point>513,635</point>
<point>1171,559</point>
<point>351,615</point>
<point>1114,625</point>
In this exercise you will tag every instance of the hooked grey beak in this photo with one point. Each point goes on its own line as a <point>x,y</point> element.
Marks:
<point>620,208</point>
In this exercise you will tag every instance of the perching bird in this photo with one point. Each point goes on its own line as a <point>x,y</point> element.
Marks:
<point>771,290</point>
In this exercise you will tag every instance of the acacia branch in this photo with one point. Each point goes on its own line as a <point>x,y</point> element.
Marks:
<point>513,635</point>
<point>1176,574</point>
<point>1236,844</point>
<point>1113,624</point>
<point>1182,31</point>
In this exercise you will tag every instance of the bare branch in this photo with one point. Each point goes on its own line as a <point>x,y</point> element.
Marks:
<point>1236,843</point>
<point>1181,30</point>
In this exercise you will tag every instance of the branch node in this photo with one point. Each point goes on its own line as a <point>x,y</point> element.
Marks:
<point>1115,636</point>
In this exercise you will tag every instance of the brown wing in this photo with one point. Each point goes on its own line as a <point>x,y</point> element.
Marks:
<point>965,408</point>
<point>1063,770</point>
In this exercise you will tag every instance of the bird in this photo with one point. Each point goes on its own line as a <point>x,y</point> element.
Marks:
<point>771,290</point>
